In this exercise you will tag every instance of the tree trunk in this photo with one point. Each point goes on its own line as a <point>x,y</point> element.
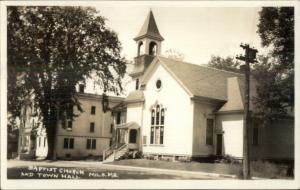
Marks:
<point>51,133</point>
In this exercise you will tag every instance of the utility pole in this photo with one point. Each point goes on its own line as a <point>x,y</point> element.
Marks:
<point>250,57</point>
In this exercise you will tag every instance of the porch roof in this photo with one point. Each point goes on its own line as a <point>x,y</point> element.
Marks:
<point>129,125</point>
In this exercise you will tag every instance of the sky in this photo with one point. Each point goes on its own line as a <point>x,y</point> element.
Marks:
<point>196,32</point>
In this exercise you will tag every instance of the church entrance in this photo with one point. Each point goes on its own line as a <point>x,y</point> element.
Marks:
<point>132,136</point>
<point>219,144</point>
<point>129,133</point>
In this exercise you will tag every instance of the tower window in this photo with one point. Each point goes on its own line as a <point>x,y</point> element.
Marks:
<point>152,48</point>
<point>140,48</point>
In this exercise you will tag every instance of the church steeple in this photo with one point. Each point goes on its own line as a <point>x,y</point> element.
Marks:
<point>149,29</point>
<point>148,46</point>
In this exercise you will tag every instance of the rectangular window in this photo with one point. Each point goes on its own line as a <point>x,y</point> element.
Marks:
<point>70,125</point>
<point>92,127</point>
<point>144,139</point>
<point>255,136</point>
<point>152,117</point>
<point>71,145</point>
<point>68,143</point>
<point>152,135</point>
<point>161,135</point>
<point>81,88</point>
<point>91,144</point>
<point>88,144</point>
<point>209,131</point>
<point>93,110</point>
<point>157,135</point>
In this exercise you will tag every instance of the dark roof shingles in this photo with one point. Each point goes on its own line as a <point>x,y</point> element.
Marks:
<point>200,80</point>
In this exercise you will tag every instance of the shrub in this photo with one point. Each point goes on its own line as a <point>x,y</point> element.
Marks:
<point>138,155</point>
<point>268,170</point>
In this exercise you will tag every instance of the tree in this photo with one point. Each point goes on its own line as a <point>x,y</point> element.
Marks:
<point>228,63</point>
<point>174,54</point>
<point>276,73</point>
<point>50,51</point>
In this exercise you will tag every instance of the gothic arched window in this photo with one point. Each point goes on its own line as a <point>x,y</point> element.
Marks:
<point>152,48</point>
<point>157,125</point>
<point>140,48</point>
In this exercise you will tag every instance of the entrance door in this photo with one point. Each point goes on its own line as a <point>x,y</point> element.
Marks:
<point>132,136</point>
<point>219,144</point>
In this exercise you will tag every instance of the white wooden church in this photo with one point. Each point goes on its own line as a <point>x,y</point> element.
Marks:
<point>180,109</point>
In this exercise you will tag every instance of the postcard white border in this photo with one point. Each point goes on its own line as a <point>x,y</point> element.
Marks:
<point>146,184</point>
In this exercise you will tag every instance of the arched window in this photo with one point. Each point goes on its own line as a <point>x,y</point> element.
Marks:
<point>152,48</point>
<point>140,48</point>
<point>162,116</point>
<point>157,125</point>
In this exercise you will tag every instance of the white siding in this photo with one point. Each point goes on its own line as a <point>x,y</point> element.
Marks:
<point>202,112</point>
<point>233,138</point>
<point>231,126</point>
<point>178,115</point>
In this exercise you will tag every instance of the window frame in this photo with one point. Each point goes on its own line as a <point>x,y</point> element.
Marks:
<point>92,126</point>
<point>69,125</point>
<point>93,110</point>
<point>81,88</point>
<point>68,143</point>
<point>91,144</point>
<point>157,128</point>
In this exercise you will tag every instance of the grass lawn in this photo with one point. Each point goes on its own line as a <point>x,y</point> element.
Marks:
<point>258,168</point>
<point>219,168</point>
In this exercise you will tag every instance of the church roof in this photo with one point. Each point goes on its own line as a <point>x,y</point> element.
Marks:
<point>135,96</point>
<point>149,29</point>
<point>199,81</point>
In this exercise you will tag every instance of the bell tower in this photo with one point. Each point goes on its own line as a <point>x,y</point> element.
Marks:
<point>148,46</point>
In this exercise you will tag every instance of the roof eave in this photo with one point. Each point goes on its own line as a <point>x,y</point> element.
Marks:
<point>208,100</point>
<point>159,38</point>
